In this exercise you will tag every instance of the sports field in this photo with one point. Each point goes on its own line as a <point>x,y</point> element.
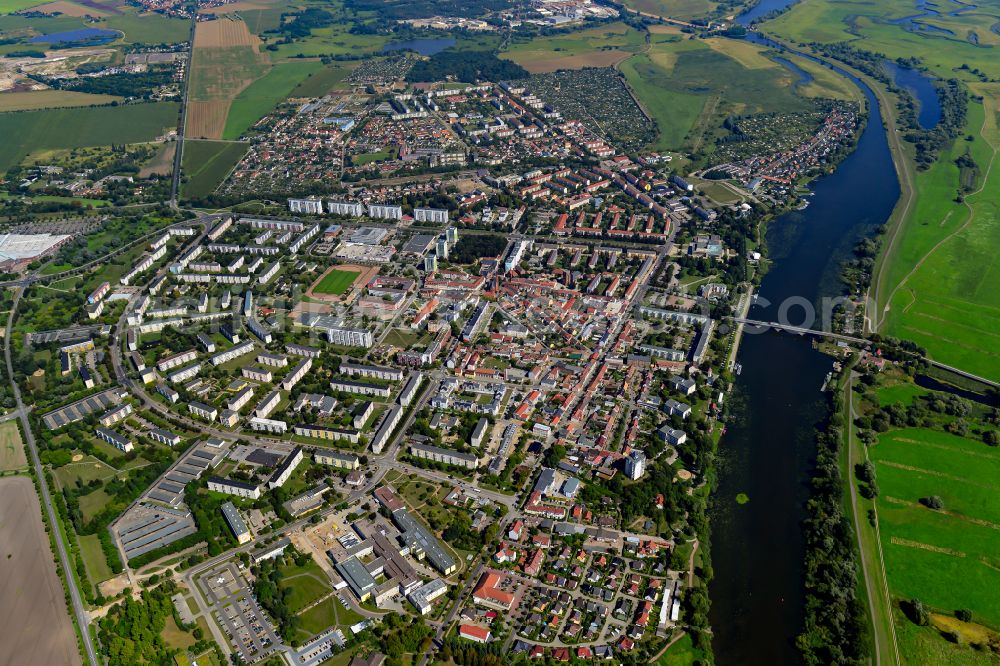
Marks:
<point>205,164</point>
<point>948,558</point>
<point>336,282</point>
<point>24,132</point>
<point>12,454</point>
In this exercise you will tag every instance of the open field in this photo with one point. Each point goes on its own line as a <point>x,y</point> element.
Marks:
<point>689,86</point>
<point>226,60</point>
<point>37,627</point>
<point>206,164</point>
<point>147,27</point>
<point>12,454</point>
<point>162,162</point>
<point>323,81</point>
<point>98,570</point>
<point>27,131</point>
<point>50,99</point>
<point>947,558</point>
<point>595,47</point>
<point>870,25</point>
<point>10,6</point>
<point>677,9</point>
<point>67,8</point>
<point>331,40</point>
<point>263,95</point>
<point>941,281</point>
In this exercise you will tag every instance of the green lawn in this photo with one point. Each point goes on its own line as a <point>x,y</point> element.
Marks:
<point>681,653</point>
<point>336,282</point>
<point>903,393</point>
<point>206,164</point>
<point>93,558</point>
<point>28,131</point>
<point>263,95</point>
<point>307,584</point>
<point>949,558</point>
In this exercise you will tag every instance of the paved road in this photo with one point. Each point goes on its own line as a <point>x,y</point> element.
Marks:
<point>175,181</point>
<point>82,620</point>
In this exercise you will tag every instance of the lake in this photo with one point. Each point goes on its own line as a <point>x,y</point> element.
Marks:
<point>425,47</point>
<point>921,86</point>
<point>90,35</point>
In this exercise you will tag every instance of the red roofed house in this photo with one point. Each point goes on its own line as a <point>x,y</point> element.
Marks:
<point>488,593</point>
<point>474,633</point>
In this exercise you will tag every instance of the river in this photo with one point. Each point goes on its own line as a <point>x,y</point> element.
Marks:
<point>767,452</point>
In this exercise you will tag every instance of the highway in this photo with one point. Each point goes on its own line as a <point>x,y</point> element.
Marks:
<point>82,619</point>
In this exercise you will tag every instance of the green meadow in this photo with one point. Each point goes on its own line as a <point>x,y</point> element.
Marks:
<point>322,81</point>
<point>942,279</point>
<point>25,132</point>
<point>948,558</point>
<point>690,86</point>
<point>868,24</point>
<point>205,164</point>
<point>263,95</point>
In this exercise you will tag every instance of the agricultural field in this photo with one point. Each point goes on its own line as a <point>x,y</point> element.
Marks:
<point>10,6</point>
<point>51,99</point>
<point>263,95</point>
<point>336,282</point>
<point>37,628</point>
<point>226,60</point>
<point>25,132</point>
<point>205,164</point>
<point>12,455</point>
<point>601,46</point>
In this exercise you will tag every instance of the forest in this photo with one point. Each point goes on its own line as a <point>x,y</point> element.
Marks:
<point>835,629</point>
<point>467,66</point>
